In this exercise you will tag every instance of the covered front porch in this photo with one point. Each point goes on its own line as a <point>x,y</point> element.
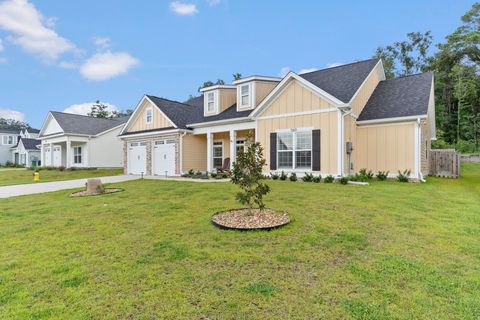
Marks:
<point>65,151</point>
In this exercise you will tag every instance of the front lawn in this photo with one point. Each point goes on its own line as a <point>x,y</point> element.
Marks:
<point>22,176</point>
<point>386,251</point>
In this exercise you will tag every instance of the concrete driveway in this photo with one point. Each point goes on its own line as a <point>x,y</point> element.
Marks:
<point>42,187</point>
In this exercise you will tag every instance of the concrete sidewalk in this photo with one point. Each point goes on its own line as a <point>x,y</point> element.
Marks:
<point>42,187</point>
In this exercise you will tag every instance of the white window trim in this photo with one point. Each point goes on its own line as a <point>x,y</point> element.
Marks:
<point>213,154</point>
<point>251,96</point>
<point>215,103</point>
<point>75,155</point>
<point>294,150</point>
<point>244,143</point>
<point>151,115</point>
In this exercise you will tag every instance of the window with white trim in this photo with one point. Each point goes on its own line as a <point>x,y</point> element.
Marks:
<point>8,140</point>
<point>217,154</point>
<point>211,102</point>
<point>77,155</point>
<point>245,95</point>
<point>240,145</point>
<point>149,115</point>
<point>294,150</point>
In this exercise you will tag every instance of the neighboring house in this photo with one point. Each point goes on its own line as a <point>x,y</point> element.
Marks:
<point>333,121</point>
<point>72,140</point>
<point>9,140</point>
<point>26,152</point>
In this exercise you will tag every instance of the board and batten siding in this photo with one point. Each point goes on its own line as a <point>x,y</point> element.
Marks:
<point>228,97</point>
<point>365,91</point>
<point>388,147</point>
<point>139,123</point>
<point>296,98</point>
<point>194,152</point>
<point>262,89</point>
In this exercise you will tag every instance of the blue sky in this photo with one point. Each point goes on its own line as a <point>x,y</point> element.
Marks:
<point>58,54</point>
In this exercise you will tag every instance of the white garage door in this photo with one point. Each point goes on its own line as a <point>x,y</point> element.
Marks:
<point>48,157</point>
<point>137,158</point>
<point>57,156</point>
<point>163,162</point>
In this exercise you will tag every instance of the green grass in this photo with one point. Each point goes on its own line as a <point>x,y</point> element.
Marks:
<point>387,251</point>
<point>22,176</point>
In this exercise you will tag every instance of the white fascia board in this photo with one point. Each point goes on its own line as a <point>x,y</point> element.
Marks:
<point>153,133</point>
<point>49,115</point>
<point>286,81</point>
<point>214,123</point>
<point>391,120</point>
<point>257,78</point>
<point>108,130</point>
<point>226,127</point>
<point>217,86</point>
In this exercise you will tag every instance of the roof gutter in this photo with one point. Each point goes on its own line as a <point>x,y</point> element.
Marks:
<point>391,120</point>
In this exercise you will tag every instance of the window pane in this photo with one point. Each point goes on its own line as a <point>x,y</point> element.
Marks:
<point>245,90</point>
<point>217,152</point>
<point>210,106</point>
<point>303,159</point>
<point>217,162</point>
<point>285,141</point>
<point>285,159</point>
<point>245,100</point>
<point>304,140</point>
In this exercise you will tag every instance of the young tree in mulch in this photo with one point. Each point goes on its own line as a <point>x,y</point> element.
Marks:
<point>247,174</point>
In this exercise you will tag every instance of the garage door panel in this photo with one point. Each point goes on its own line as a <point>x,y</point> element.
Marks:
<point>163,154</point>
<point>137,158</point>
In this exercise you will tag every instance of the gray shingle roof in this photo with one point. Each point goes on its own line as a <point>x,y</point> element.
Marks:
<point>399,97</point>
<point>229,113</point>
<point>78,124</point>
<point>343,81</point>
<point>32,130</point>
<point>30,144</point>
<point>10,131</point>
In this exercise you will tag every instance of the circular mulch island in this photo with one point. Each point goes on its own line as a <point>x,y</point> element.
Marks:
<point>85,194</point>
<point>256,219</point>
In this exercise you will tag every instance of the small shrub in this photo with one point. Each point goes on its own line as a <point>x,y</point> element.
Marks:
<point>403,176</point>
<point>283,176</point>
<point>293,177</point>
<point>344,180</point>
<point>61,168</point>
<point>366,175</point>
<point>213,174</point>
<point>274,176</point>
<point>198,173</point>
<point>308,177</point>
<point>191,172</point>
<point>48,168</point>
<point>329,179</point>
<point>382,175</point>
<point>317,179</point>
<point>72,169</point>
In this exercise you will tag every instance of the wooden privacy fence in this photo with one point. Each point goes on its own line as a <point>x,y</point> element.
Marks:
<point>444,163</point>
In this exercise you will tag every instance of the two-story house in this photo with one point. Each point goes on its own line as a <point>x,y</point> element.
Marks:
<point>13,149</point>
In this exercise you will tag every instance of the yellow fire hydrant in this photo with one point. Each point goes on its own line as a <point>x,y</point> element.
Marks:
<point>36,176</point>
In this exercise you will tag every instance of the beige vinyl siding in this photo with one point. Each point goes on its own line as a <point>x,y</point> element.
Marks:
<point>296,98</point>
<point>388,147</point>
<point>262,89</point>
<point>228,97</point>
<point>194,152</point>
<point>360,99</point>
<point>139,123</point>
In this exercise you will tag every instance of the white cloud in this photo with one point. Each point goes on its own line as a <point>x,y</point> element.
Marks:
<point>29,29</point>
<point>68,65</point>
<point>101,42</point>
<point>183,9</point>
<point>284,71</point>
<point>213,2</point>
<point>11,114</point>
<point>85,108</point>
<point>335,64</point>
<point>1,46</point>
<point>306,70</point>
<point>107,65</point>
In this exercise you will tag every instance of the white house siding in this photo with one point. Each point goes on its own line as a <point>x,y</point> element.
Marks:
<point>106,150</point>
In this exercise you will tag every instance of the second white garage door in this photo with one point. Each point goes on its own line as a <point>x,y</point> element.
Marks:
<point>163,157</point>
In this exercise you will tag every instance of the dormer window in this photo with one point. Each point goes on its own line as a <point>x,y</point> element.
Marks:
<point>211,102</point>
<point>149,116</point>
<point>245,95</point>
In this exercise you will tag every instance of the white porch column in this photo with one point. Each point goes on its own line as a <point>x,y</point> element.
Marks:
<point>233,149</point>
<point>209,152</point>
<point>68,154</point>
<point>42,154</point>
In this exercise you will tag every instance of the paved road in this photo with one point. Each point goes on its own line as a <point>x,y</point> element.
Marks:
<point>42,187</point>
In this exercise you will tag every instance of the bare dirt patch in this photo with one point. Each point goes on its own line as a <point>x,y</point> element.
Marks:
<point>84,193</point>
<point>256,219</point>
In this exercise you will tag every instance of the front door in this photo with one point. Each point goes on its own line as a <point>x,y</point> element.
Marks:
<point>137,158</point>
<point>57,156</point>
<point>163,163</point>
<point>48,156</point>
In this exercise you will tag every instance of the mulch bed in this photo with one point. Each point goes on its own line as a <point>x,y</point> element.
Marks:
<point>242,219</point>
<point>85,194</point>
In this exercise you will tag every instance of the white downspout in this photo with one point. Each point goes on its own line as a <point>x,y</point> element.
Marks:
<point>181,152</point>
<point>418,151</point>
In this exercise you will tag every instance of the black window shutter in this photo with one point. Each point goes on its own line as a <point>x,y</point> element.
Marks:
<point>316,150</point>
<point>273,151</point>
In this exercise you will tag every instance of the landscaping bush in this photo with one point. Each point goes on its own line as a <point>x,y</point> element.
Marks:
<point>191,172</point>
<point>61,168</point>
<point>344,180</point>
<point>73,168</point>
<point>308,177</point>
<point>382,175</point>
<point>293,177</point>
<point>403,176</point>
<point>274,176</point>
<point>213,174</point>
<point>283,176</point>
<point>365,175</point>
<point>329,179</point>
<point>317,179</point>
